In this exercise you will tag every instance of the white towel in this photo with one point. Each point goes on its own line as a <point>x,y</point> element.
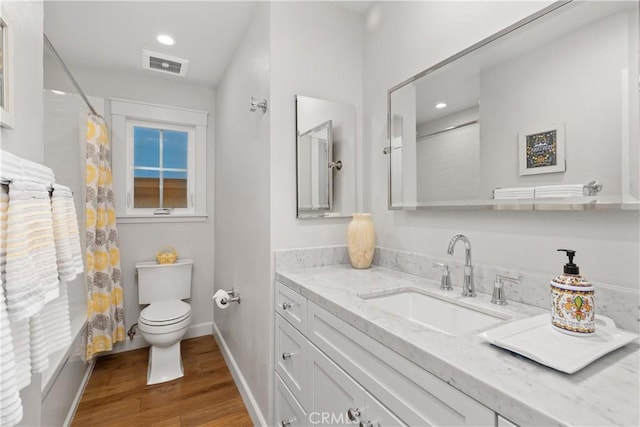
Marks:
<point>514,193</point>
<point>56,321</point>
<point>16,332</point>
<point>20,336</point>
<point>566,190</point>
<point>10,403</point>
<point>14,168</point>
<point>38,348</point>
<point>66,234</point>
<point>31,268</point>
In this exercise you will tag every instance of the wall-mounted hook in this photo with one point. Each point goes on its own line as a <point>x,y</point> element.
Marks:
<point>255,105</point>
<point>336,165</point>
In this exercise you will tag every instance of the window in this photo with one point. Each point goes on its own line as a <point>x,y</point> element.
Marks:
<point>161,166</point>
<point>160,159</point>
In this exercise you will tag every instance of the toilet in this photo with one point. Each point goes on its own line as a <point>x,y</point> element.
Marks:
<point>165,320</point>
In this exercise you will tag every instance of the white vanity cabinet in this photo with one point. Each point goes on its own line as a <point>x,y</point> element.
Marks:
<point>333,374</point>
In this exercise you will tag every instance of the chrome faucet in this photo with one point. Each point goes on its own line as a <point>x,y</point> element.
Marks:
<point>468,288</point>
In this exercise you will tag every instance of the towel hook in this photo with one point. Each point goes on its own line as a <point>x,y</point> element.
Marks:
<point>255,105</point>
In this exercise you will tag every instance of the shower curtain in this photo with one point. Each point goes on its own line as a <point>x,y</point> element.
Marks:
<point>104,289</point>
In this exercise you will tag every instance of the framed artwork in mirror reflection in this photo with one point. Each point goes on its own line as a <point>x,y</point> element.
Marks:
<point>542,150</point>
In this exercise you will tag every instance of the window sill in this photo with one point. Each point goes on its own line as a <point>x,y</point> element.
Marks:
<point>153,219</point>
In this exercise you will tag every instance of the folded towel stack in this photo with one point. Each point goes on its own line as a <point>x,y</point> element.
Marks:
<point>513,193</point>
<point>572,190</point>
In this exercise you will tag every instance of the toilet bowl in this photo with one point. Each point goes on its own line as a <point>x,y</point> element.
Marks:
<point>163,324</point>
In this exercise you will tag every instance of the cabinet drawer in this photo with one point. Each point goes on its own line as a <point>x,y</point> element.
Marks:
<point>292,306</point>
<point>291,359</point>
<point>413,394</point>
<point>288,411</point>
<point>336,399</point>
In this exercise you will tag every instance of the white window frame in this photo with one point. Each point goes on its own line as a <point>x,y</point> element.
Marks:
<point>126,114</point>
<point>191,176</point>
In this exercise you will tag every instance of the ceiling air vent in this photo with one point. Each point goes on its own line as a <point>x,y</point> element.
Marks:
<point>164,63</point>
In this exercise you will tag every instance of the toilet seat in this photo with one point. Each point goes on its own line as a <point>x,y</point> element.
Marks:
<point>165,313</point>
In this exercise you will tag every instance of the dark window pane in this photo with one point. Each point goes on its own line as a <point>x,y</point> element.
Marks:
<point>175,192</point>
<point>175,149</point>
<point>146,147</point>
<point>146,192</point>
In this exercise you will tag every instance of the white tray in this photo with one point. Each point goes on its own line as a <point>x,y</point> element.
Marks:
<point>536,339</point>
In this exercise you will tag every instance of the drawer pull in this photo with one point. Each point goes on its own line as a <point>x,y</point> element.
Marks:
<point>287,423</point>
<point>286,356</point>
<point>354,414</point>
<point>286,305</point>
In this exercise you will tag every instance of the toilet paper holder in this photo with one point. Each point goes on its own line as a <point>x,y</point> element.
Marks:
<point>233,296</point>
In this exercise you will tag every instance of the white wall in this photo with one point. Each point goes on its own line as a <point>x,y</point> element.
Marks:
<point>242,210</point>
<point>140,242</point>
<point>316,50</point>
<point>403,38</point>
<point>26,139</point>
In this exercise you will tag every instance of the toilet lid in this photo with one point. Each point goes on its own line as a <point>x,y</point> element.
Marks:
<point>165,312</point>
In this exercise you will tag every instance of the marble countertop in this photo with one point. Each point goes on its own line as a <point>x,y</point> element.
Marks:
<point>604,393</point>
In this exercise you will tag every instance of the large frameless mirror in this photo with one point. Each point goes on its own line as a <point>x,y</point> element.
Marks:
<point>543,115</point>
<point>325,158</point>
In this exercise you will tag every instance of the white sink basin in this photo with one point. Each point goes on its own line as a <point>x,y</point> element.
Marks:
<point>449,316</point>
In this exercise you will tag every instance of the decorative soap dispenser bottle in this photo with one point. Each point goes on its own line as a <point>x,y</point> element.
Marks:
<point>573,309</point>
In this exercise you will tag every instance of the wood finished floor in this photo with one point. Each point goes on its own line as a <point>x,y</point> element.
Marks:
<point>117,393</point>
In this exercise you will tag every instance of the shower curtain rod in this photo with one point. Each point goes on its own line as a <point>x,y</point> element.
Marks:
<point>68,72</point>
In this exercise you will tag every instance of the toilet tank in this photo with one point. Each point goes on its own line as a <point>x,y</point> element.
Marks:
<point>163,282</point>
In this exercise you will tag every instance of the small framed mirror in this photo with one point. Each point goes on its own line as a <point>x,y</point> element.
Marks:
<point>325,158</point>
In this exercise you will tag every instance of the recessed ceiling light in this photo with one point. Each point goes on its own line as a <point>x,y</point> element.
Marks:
<point>57,92</point>
<point>441,105</point>
<point>165,39</point>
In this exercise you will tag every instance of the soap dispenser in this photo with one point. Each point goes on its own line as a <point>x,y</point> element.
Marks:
<point>573,303</point>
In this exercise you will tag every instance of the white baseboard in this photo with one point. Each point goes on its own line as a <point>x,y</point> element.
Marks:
<point>78,397</point>
<point>198,330</point>
<point>249,401</point>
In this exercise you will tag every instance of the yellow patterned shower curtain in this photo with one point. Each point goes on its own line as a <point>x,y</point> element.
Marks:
<point>105,312</point>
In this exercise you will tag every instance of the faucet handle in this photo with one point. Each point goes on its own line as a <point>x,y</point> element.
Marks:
<point>445,280</point>
<point>499,296</point>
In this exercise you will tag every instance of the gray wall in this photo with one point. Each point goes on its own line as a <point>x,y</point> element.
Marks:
<point>404,38</point>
